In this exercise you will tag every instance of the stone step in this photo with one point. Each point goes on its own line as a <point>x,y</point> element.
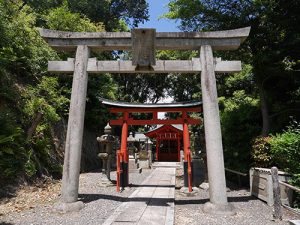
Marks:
<point>166,165</point>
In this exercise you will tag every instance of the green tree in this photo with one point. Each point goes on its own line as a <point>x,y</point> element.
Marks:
<point>61,18</point>
<point>272,47</point>
<point>113,12</point>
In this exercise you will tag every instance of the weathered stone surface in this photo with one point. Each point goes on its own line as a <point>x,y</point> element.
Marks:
<point>261,185</point>
<point>152,203</point>
<point>63,207</point>
<point>213,137</point>
<point>162,66</point>
<point>71,169</point>
<point>143,47</point>
<point>219,40</point>
<point>226,210</point>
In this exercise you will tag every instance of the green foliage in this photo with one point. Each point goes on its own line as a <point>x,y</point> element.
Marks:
<point>112,12</point>
<point>285,148</point>
<point>260,152</point>
<point>272,47</point>
<point>45,98</point>
<point>61,18</point>
<point>239,127</point>
<point>101,86</point>
<point>24,52</point>
<point>31,103</point>
<point>281,150</point>
<point>12,152</point>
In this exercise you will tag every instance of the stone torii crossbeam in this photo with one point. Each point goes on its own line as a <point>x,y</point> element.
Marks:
<point>143,43</point>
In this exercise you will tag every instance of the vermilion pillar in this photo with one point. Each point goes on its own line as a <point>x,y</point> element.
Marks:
<point>187,158</point>
<point>124,179</point>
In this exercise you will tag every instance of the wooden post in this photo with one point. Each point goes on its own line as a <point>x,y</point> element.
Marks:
<point>276,194</point>
<point>72,158</point>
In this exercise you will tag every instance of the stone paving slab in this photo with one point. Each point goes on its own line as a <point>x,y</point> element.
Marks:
<point>151,203</point>
<point>166,164</point>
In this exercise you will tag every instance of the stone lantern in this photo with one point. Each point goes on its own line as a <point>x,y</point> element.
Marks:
<point>131,147</point>
<point>106,149</point>
<point>133,163</point>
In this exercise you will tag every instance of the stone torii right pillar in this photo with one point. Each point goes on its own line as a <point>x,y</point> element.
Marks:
<point>215,161</point>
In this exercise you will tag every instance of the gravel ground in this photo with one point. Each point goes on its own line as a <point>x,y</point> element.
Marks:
<point>250,210</point>
<point>99,201</point>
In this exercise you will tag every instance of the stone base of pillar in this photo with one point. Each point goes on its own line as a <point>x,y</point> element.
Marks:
<point>225,210</point>
<point>185,191</point>
<point>63,207</point>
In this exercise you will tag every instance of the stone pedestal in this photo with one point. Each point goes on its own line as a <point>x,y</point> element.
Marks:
<point>133,165</point>
<point>144,159</point>
<point>198,171</point>
<point>181,155</point>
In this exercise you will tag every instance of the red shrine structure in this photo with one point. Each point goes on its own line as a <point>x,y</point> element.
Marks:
<point>168,142</point>
<point>164,135</point>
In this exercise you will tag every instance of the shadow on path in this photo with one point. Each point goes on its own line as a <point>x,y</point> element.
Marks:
<point>204,200</point>
<point>86,198</point>
<point>151,185</point>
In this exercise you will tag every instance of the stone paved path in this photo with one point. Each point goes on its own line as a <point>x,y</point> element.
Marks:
<point>151,203</point>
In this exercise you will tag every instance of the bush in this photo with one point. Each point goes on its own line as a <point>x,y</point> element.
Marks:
<point>285,149</point>
<point>281,150</point>
<point>260,152</point>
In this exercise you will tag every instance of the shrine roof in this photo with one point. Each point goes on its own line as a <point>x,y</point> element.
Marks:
<point>163,128</point>
<point>117,104</point>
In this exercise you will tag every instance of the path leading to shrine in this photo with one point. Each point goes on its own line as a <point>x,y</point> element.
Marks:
<point>151,203</point>
<point>149,200</point>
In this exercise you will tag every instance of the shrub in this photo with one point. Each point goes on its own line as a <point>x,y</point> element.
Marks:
<point>285,148</point>
<point>260,152</point>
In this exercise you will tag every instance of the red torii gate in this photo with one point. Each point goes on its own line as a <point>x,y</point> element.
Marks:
<point>127,108</point>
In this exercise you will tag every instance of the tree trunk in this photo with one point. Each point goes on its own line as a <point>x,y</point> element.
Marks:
<point>264,111</point>
<point>34,125</point>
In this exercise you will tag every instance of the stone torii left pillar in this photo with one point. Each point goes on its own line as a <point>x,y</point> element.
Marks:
<point>72,158</point>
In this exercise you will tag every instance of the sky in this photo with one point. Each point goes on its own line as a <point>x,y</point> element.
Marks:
<point>156,9</point>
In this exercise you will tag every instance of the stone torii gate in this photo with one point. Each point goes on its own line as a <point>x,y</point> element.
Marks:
<point>143,43</point>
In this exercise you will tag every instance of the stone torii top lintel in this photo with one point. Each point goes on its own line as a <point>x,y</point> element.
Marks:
<point>143,43</point>
<point>219,40</point>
